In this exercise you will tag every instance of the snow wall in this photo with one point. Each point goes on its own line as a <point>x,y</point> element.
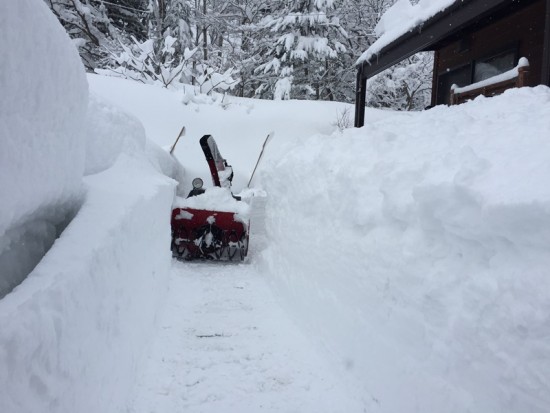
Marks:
<point>417,250</point>
<point>73,332</point>
<point>42,110</point>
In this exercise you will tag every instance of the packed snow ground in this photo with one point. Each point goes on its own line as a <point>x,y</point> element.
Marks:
<point>224,343</point>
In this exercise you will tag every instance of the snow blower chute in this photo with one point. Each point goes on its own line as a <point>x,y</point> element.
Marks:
<point>211,224</point>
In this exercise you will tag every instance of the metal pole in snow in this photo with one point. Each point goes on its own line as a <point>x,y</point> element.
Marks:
<point>267,139</point>
<point>182,132</point>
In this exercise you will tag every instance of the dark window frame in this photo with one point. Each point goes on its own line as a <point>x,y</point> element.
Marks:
<point>447,72</point>
<point>510,48</point>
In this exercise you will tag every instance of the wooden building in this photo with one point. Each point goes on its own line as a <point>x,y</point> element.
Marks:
<point>473,40</point>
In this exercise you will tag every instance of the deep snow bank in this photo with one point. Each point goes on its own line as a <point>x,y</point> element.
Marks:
<point>111,132</point>
<point>73,333</point>
<point>75,330</point>
<point>418,250</point>
<point>239,126</point>
<point>42,109</point>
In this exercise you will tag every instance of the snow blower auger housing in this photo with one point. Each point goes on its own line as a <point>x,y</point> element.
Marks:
<point>211,224</point>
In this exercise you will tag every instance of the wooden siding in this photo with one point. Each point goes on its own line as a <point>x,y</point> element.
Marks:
<point>492,89</point>
<point>523,32</point>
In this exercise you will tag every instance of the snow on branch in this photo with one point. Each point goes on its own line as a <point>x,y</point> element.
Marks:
<point>149,64</point>
<point>211,80</point>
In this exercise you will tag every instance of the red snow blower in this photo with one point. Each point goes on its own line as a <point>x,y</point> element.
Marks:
<point>202,232</point>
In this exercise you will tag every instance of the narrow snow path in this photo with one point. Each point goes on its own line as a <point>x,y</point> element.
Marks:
<point>226,345</point>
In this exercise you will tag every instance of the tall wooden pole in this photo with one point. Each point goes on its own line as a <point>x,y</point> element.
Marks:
<point>360,98</point>
<point>546,47</point>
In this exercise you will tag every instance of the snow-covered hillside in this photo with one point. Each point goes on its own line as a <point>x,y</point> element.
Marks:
<point>413,255</point>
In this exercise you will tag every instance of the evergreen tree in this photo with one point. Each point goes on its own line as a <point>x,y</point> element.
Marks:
<point>130,17</point>
<point>244,44</point>
<point>359,18</point>
<point>306,47</point>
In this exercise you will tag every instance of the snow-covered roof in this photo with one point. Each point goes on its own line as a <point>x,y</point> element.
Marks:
<point>401,18</point>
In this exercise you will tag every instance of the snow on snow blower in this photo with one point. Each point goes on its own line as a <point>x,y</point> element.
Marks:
<point>211,223</point>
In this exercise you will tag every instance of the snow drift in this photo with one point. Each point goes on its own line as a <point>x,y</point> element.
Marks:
<point>41,137</point>
<point>73,332</point>
<point>110,132</point>
<point>418,250</point>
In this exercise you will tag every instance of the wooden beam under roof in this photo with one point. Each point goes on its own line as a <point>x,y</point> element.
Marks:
<point>546,47</point>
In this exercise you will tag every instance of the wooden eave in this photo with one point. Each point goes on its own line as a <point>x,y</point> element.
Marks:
<point>441,29</point>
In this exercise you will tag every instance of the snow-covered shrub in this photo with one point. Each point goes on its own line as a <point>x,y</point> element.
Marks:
<point>153,62</point>
<point>208,80</point>
<point>344,119</point>
<point>283,86</point>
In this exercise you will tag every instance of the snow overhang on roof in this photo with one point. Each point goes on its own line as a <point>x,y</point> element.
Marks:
<point>402,18</point>
<point>406,29</point>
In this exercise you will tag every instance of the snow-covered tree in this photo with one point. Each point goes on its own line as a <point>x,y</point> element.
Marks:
<point>244,45</point>
<point>89,26</point>
<point>100,28</point>
<point>359,18</point>
<point>405,86</point>
<point>302,49</point>
<point>130,17</point>
<point>145,62</point>
<point>307,42</point>
<point>171,17</point>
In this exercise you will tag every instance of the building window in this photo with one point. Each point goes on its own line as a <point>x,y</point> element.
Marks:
<point>495,65</point>
<point>474,71</point>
